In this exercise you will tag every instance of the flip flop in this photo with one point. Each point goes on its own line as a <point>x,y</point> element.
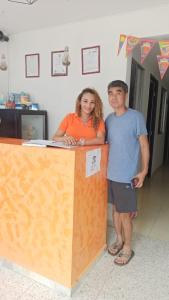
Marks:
<point>115,248</point>
<point>126,255</point>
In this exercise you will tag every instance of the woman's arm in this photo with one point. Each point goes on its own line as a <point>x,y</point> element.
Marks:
<point>61,137</point>
<point>99,139</point>
<point>100,136</point>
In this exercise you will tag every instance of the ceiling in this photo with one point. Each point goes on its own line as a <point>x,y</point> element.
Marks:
<point>16,17</point>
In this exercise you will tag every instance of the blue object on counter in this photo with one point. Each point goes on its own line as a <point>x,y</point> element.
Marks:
<point>18,106</point>
<point>34,106</point>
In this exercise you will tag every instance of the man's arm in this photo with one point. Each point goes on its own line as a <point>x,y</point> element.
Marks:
<point>144,146</point>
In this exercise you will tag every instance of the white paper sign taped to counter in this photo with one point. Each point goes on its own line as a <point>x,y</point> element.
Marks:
<point>93,158</point>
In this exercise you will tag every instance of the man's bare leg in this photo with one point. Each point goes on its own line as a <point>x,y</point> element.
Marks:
<point>127,227</point>
<point>118,244</point>
<point>117,225</point>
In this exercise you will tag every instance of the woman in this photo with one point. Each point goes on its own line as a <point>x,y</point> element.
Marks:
<point>86,125</point>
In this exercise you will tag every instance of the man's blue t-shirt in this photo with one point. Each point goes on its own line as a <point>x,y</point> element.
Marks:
<point>124,148</point>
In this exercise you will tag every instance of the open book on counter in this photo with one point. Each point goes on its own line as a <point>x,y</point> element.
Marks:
<point>46,143</point>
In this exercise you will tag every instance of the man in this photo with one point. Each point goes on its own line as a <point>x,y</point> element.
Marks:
<point>127,166</point>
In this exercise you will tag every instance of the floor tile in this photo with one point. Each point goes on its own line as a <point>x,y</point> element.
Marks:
<point>12,285</point>
<point>41,292</point>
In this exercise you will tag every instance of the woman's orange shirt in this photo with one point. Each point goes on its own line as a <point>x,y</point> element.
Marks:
<point>72,125</point>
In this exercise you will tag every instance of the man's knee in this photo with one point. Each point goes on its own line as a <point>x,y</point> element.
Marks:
<point>125,216</point>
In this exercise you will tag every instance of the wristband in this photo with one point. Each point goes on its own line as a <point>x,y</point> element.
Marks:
<point>82,141</point>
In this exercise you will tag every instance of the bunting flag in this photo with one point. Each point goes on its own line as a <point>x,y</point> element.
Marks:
<point>164,47</point>
<point>163,62</point>
<point>146,47</point>
<point>121,42</point>
<point>132,41</point>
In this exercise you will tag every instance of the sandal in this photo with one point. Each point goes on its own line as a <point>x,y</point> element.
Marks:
<point>115,248</point>
<point>125,255</point>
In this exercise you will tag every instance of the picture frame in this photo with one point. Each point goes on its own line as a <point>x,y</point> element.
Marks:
<point>163,111</point>
<point>32,65</point>
<point>90,57</point>
<point>57,67</point>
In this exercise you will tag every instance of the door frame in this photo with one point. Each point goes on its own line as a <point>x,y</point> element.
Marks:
<point>151,117</point>
<point>166,143</point>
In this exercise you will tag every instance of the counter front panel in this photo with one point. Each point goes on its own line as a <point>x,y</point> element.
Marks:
<point>52,216</point>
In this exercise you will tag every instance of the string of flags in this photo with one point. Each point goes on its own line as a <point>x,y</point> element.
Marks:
<point>146,45</point>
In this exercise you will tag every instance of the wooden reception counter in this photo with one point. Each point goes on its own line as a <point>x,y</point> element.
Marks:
<point>52,213</point>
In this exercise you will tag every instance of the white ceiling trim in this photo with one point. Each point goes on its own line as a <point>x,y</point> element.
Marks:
<point>15,17</point>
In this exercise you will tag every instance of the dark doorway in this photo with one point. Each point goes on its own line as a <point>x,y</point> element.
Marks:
<point>166,145</point>
<point>151,117</point>
<point>136,86</point>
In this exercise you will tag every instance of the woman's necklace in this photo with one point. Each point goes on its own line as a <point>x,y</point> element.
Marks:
<point>84,120</point>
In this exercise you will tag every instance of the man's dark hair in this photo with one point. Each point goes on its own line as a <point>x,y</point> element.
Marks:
<point>118,83</point>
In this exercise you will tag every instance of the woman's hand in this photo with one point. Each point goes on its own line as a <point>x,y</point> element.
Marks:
<point>66,139</point>
<point>69,140</point>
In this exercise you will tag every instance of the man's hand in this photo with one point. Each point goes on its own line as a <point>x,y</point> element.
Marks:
<point>140,179</point>
<point>133,214</point>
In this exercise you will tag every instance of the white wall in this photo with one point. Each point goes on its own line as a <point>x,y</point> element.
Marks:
<point>57,94</point>
<point>4,74</point>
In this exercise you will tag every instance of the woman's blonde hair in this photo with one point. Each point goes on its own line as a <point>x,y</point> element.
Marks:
<point>97,113</point>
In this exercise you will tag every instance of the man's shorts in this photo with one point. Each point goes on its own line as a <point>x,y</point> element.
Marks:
<point>123,196</point>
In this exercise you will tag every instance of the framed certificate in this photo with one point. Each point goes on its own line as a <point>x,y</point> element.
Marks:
<point>32,65</point>
<point>57,67</point>
<point>90,60</point>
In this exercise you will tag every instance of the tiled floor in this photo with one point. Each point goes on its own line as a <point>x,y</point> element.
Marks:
<point>146,277</point>
<point>153,203</point>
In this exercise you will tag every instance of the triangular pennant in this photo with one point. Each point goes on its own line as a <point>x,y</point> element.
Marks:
<point>121,42</point>
<point>164,47</point>
<point>163,62</point>
<point>132,41</point>
<point>146,46</point>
